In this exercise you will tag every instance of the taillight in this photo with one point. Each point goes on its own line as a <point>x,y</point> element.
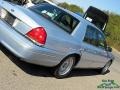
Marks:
<point>38,34</point>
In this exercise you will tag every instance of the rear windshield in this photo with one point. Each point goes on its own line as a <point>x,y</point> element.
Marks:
<point>57,16</point>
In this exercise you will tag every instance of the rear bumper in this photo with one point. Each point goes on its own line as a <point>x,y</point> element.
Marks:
<point>25,49</point>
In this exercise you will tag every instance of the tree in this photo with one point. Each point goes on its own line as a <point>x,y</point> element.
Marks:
<point>71,7</point>
<point>113,28</point>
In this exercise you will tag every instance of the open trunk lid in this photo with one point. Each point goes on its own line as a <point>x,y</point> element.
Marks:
<point>97,17</point>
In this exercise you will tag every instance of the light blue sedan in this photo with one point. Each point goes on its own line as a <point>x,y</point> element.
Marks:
<point>48,35</point>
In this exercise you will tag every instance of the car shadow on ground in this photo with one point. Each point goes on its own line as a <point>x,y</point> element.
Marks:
<point>40,71</point>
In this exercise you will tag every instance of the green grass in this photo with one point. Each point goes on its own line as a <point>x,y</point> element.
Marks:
<point>113,28</point>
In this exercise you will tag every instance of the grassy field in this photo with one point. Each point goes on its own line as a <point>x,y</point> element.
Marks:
<point>114,29</point>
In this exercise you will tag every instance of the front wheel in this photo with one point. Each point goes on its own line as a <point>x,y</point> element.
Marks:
<point>64,68</point>
<point>106,67</point>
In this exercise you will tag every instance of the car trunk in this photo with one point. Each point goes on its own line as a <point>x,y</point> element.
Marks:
<point>97,17</point>
<point>24,20</point>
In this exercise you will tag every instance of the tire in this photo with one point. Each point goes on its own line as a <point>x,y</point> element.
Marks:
<point>65,67</point>
<point>105,69</point>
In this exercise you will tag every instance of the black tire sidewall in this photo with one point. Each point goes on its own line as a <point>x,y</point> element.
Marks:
<point>103,69</point>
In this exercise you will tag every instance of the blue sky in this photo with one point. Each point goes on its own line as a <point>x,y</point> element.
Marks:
<point>111,5</point>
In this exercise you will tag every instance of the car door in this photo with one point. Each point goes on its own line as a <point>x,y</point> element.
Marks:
<point>102,47</point>
<point>97,17</point>
<point>93,52</point>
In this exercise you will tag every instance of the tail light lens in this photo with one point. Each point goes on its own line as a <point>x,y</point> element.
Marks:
<point>38,34</point>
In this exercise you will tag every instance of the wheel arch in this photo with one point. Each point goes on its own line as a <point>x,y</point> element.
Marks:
<point>76,55</point>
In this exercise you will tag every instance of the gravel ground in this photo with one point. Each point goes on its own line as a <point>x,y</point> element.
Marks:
<point>18,75</point>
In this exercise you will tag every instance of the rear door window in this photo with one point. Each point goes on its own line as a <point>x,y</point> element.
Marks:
<point>94,37</point>
<point>91,36</point>
<point>101,43</point>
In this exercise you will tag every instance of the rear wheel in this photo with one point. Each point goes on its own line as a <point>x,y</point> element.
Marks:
<point>106,67</point>
<point>64,68</point>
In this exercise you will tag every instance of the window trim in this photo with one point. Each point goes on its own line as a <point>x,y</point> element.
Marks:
<point>104,39</point>
<point>96,37</point>
<point>85,35</point>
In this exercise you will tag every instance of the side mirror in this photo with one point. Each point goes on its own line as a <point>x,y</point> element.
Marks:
<point>109,49</point>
